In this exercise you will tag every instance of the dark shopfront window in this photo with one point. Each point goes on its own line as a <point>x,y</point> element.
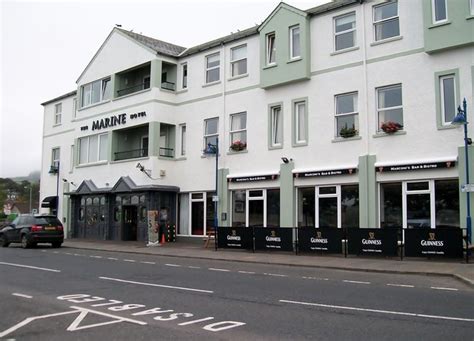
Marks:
<point>447,203</point>
<point>254,203</point>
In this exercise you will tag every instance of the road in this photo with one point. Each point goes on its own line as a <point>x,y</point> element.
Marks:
<point>71,294</point>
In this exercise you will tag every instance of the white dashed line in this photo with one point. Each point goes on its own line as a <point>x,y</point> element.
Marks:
<point>247,272</point>
<point>194,267</point>
<point>56,252</point>
<point>68,253</point>
<point>222,270</point>
<point>401,285</point>
<point>274,275</point>
<point>30,267</point>
<point>112,258</point>
<point>129,260</point>
<point>355,282</point>
<point>43,251</point>
<point>21,295</point>
<point>441,288</point>
<point>316,278</point>
<point>174,265</point>
<point>76,254</point>
<point>95,256</point>
<point>153,263</point>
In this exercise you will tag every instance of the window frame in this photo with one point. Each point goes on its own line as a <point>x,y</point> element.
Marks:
<point>102,99</point>
<point>79,163</point>
<point>291,39</point>
<point>237,131</point>
<point>272,143</point>
<point>270,52</point>
<point>58,114</point>
<point>346,31</point>
<point>182,139</point>
<point>208,69</point>
<point>471,6</point>
<point>55,159</point>
<point>296,123</point>
<point>233,61</point>
<point>206,135</point>
<point>442,97</point>
<point>378,109</point>
<point>184,75</point>
<point>433,12</point>
<point>393,18</point>
<point>352,113</point>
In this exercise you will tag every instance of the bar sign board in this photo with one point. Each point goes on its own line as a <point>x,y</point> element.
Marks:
<point>276,239</point>
<point>323,240</point>
<point>234,237</point>
<point>373,241</point>
<point>427,242</point>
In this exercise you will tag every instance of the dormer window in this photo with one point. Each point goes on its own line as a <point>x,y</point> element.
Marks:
<point>440,11</point>
<point>295,44</point>
<point>271,49</point>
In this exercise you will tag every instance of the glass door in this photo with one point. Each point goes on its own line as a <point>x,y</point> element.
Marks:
<point>198,214</point>
<point>256,212</point>
<point>418,204</point>
<point>328,206</point>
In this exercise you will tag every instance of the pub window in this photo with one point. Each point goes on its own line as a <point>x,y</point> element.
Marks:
<point>102,200</point>
<point>143,214</point>
<point>347,123</point>
<point>447,203</point>
<point>96,201</point>
<point>89,201</point>
<point>391,204</point>
<point>256,208</point>
<point>134,200</point>
<point>142,199</point>
<point>390,106</point>
<point>81,214</point>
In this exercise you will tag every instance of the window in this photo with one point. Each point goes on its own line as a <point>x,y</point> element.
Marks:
<point>71,162</point>
<point>300,124</point>
<point>344,31</point>
<point>74,107</point>
<point>256,208</point>
<point>95,92</point>
<point>346,115</point>
<point>93,148</point>
<point>439,10</point>
<point>270,49</point>
<point>213,68</point>
<point>55,153</point>
<point>58,108</point>
<point>238,131</point>
<point>295,43</point>
<point>276,120</point>
<point>389,105</point>
<point>471,4</point>
<point>184,71</point>
<point>183,140</point>
<point>448,98</point>
<point>211,131</point>
<point>386,21</point>
<point>238,60</point>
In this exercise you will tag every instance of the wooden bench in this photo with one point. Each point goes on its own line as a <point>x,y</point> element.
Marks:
<point>211,235</point>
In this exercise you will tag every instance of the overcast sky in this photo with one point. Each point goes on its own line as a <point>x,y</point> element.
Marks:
<point>46,45</point>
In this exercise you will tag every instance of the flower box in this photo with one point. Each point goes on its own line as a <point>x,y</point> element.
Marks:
<point>390,127</point>
<point>238,146</point>
<point>348,132</point>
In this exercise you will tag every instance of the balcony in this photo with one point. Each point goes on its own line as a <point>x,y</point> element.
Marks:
<point>130,154</point>
<point>133,80</point>
<point>167,139</point>
<point>168,76</point>
<point>130,143</point>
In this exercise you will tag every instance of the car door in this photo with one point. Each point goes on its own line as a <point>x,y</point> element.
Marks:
<point>9,230</point>
<point>17,229</point>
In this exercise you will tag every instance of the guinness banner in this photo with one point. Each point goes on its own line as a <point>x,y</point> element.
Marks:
<point>382,241</point>
<point>235,237</point>
<point>277,239</point>
<point>323,240</point>
<point>426,242</point>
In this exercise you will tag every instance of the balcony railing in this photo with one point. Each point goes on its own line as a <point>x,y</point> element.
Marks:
<point>132,89</point>
<point>166,152</point>
<point>130,154</point>
<point>168,86</point>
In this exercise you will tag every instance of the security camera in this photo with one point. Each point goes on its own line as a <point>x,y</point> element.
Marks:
<point>285,160</point>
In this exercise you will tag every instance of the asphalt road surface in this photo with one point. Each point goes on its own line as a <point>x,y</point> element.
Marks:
<point>70,294</point>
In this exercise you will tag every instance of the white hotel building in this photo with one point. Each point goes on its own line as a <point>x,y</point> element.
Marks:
<point>358,96</point>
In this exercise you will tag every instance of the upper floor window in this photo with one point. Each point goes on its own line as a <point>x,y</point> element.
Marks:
<point>389,106</point>
<point>471,4</point>
<point>238,60</point>
<point>58,109</point>
<point>95,92</point>
<point>295,44</point>
<point>93,148</point>
<point>55,154</point>
<point>211,131</point>
<point>238,131</point>
<point>346,115</point>
<point>74,107</point>
<point>386,21</point>
<point>276,126</point>
<point>448,98</point>
<point>213,68</point>
<point>184,74</point>
<point>183,140</point>
<point>301,126</point>
<point>270,49</point>
<point>344,31</point>
<point>440,11</point>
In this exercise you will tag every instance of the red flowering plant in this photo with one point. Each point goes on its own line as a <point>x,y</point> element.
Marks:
<point>238,145</point>
<point>391,127</point>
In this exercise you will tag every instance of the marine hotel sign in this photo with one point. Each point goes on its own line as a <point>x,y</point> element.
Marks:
<point>113,121</point>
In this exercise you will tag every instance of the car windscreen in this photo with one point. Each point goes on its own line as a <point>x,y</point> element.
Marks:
<point>47,221</point>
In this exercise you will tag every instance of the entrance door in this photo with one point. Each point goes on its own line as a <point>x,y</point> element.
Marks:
<point>257,212</point>
<point>197,218</point>
<point>418,202</point>
<point>129,223</point>
<point>328,206</point>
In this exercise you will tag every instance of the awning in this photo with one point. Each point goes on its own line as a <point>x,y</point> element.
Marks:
<point>50,202</point>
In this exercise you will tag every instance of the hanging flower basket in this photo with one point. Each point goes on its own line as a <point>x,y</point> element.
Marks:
<point>348,132</point>
<point>238,146</point>
<point>390,127</point>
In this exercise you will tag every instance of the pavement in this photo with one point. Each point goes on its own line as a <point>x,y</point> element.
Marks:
<point>457,268</point>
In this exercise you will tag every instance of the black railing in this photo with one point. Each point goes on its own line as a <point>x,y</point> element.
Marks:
<point>166,152</point>
<point>132,89</point>
<point>168,86</point>
<point>130,154</point>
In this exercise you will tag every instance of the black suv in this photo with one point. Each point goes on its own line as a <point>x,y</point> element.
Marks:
<point>31,229</point>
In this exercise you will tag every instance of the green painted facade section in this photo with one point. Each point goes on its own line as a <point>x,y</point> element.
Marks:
<point>367,192</point>
<point>224,195</point>
<point>285,70</point>
<point>155,73</point>
<point>287,195</point>
<point>154,138</point>
<point>439,111</point>
<point>457,31</point>
<point>462,180</point>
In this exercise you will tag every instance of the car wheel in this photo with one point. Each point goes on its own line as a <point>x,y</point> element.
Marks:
<point>4,242</point>
<point>24,242</point>
<point>56,244</point>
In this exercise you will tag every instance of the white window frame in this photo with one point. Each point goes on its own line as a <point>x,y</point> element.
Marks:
<point>101,94</point>
<point>182,139</point>
<point>262,198</point>
<point>441,89</point>
<point>184,76</point>
<point>471,5</point>
<point>74,107</point>
<point>205,130</point>
<point>291,30</point>
<point>55,159</point>
<point>273,131</point>
<point>270,51</point>
<point>233,61</point>
<point>346,31</point>
<point>208,69</point>
<point>433,12</point>
<point>353,113</point>
<point>232,132</point>
<point>297,121</point>
<point>88,149</point>
<point>375,23</point>
<point>406,193</point>
<point>379,109</point>
<point>58,113</point>
<point>318,196</point>
<point>203,200</point>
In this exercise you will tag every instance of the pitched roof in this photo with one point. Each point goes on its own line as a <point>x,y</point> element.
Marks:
<point>335,4</point>
<point>69,94</point>
<point>158,46</point>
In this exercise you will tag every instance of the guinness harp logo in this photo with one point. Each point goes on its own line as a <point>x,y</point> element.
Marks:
<point>234,232</point>
<point>319,235</point>
<point>371,235</point>
<point>273,233</point>
<point>432,236</point>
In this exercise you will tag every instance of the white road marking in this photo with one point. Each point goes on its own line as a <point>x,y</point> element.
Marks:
<point>56,252</point>
<point>355,282</point>
<point>247,272</point>
<point>29,267</point>
<point>157,285</point>
<point>194,267</point>
<point>129,260</point>
<point>148,263</point>
<point>174,265</point>
<point>95,256</point>
<point>83,313</point>
<point>43,250</point>
<point>68,253</point>
<point>76,254</point>
<point>112,258</point>
<point>380,311</point>
<point>22,295</point>
<point>316,278</point>
<point>401,285</point>
<point>196,321</point>
<point>441,288</point>
<point>222,270</point>
<point>274,275</point>
<point>112,302</point>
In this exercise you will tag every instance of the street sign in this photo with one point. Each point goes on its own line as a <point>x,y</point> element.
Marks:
<point>467,188</point>
<point>215,198</point>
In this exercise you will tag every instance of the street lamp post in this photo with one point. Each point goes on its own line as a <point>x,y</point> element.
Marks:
<point>54,169</point>
<point>461,119</point>
<point>214,149</point>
